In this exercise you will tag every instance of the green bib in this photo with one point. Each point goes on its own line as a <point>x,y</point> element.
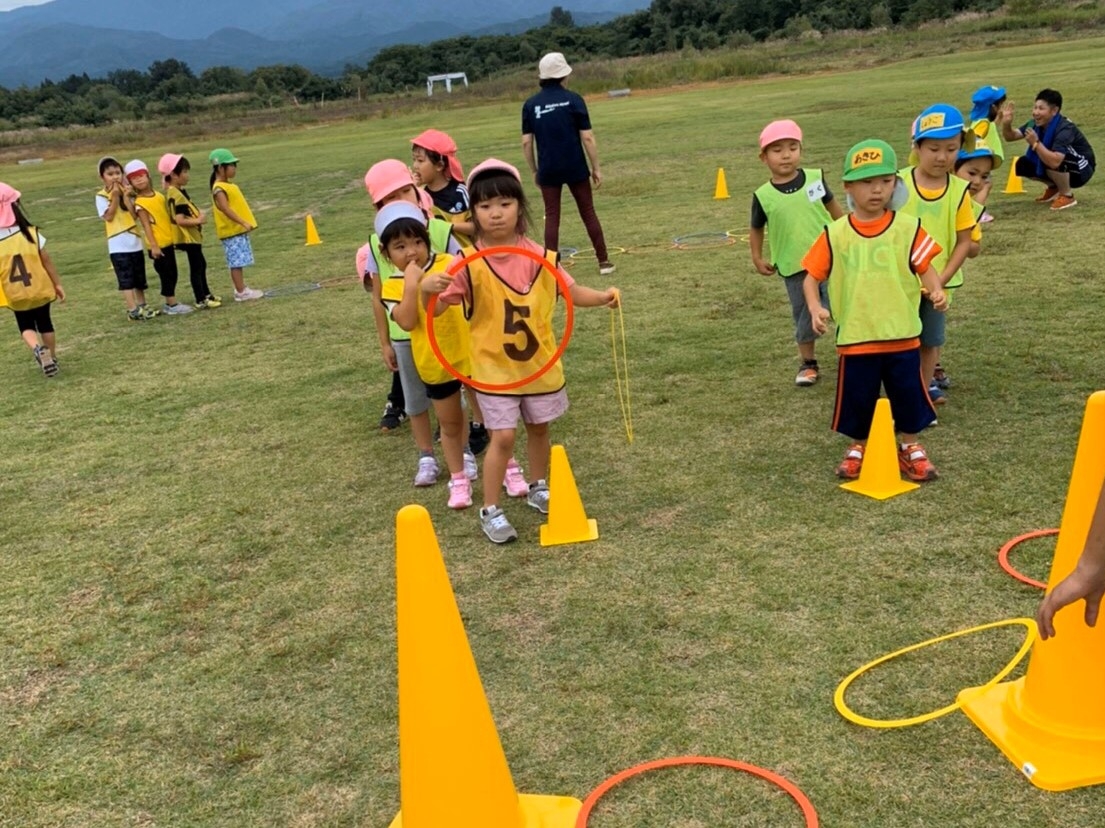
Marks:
<point>794,221</point>
<point>938,217</point>
<point>873,293</point>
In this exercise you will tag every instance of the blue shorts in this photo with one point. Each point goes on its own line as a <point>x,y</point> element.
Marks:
<point>238,250</point>
<point>858,380</point>
<point>932,324</point>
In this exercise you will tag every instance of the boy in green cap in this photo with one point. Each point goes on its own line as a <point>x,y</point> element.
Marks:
<point>875,262</point>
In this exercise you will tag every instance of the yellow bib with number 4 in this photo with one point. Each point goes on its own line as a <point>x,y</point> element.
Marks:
<point>24,282</point>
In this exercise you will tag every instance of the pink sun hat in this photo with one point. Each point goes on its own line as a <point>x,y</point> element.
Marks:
<point>780,131</point>
<point>8,196</point>
<point>489,165</point>
<point>134,168</point>
<point>168,163</point>
<point>442,143</point>
<point>385,177</point>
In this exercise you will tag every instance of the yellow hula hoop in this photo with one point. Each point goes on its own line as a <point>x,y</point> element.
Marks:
<point>621,373</point>
<point>739,235</point>
<point>838,697</point>
<point>589,252</point>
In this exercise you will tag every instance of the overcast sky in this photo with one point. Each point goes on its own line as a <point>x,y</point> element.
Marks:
<point>8,5</point>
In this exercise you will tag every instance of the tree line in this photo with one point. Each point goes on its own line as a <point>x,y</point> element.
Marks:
<point>170,86</point>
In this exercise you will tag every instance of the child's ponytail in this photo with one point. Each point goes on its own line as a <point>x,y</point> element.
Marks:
<point>23,222</point>
<point>214,175</point>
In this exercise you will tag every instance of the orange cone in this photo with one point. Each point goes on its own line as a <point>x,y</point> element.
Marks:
<point>1013,184</point>
<point>721,189</point>
<point>1051,722</point>
<point>879,476</point>
<point>568,523</point>
<point>312,233</point>
<point>452,770</point>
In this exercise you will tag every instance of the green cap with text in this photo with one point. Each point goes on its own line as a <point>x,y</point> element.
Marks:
<point>869,159</point>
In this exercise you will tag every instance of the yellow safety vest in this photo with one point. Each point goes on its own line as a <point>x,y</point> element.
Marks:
<point>24,282</point>
<point>512,333</point>
<point>123,222</point>
<point>158,210</point>
<point>938,216</point>
<point>224,227</point>
<point>450,330</point>
<point>183,235</point>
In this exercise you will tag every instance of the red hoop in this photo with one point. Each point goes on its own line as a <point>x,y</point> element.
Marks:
<point>1003,556</point>
<point>786,785</point>
<point>490,387</point>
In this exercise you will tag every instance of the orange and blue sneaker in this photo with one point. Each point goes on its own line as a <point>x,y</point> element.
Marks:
<point>915,463</point>
<point>808,374</point>
<point>850,466</point>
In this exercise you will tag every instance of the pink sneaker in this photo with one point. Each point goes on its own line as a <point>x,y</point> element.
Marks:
<point>514,481</point>
<point>460,493</point>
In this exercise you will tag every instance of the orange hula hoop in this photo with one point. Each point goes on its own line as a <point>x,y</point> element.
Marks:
<point>491,387</point>
<point>1003,556</point>
<point>786,785</point>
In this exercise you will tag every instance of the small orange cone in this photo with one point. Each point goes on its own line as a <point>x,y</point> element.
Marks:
<point>452,769</point>
<point>1051,723</point>
<point>568,523</point>
<point>721,190</point>
<point>879,477</point>
<point>312,233</point>
<point>1013,184</point>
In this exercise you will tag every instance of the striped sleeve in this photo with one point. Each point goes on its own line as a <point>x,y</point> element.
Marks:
<point>925,249</point>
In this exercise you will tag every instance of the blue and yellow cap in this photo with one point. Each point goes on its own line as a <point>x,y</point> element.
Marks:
<point>978,152</point>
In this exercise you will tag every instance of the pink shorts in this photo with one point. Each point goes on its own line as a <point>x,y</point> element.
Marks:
<point>501,411</point>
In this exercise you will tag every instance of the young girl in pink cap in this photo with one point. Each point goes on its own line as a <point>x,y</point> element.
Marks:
<point>31,281</point>
<point>509,301</point>
<point>437,170</point>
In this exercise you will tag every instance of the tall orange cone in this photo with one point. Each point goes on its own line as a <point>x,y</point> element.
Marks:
<point>312,233</point>
<point>1013,184</point>
<point>721,189</point>
<point>452,770</point>
<point>1051,722</point>
<point>568,523</point>
<point>879,477</point>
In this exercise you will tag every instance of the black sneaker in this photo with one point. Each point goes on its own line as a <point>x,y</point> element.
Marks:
<point>393,418</point>
<point>477,438</point>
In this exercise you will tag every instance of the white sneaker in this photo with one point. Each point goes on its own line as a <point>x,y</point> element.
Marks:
<point>471,470</point>
<point>428,471</point>
<point>247,294</point>
<point>514,481</point>
<point>178,308</point>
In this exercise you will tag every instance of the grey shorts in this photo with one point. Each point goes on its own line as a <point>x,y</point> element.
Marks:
<point>803,325</point>
<point>415,399</point>
<point>932,325</point>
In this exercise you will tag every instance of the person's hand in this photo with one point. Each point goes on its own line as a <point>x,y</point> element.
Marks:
<point>984,189</point>
<point>1005,114</point>
<point>201,215</point>
<point>612,297</point>
<point>412,272</point>
<point>763,267</point>
<point>388,353</point>
<point>1086,583</point>
<point>1031,137</point>
<point>246,225</point>
<point>596,178</point>
<point>435,283</point>
<point>819,320</point>
<point>156,252</point>
<point>939,299</point>
<point>60,291</point>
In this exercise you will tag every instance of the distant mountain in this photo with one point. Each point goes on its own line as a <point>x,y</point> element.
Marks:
<point>66,37</point>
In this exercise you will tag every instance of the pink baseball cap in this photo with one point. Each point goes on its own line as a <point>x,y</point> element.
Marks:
<point>440,142</point>
<point>489,165</point>
<point>363,252</point>
<point>168,163</point>
<point>780,131</point>
<point>135,167</point>
<point>8,196</point>
<point>385,177</point>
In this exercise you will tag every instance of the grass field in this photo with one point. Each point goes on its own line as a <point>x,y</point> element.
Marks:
<point>196,582</point>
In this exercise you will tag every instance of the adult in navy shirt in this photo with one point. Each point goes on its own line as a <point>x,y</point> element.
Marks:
<point>1058,153</point>
<point>558,120</point>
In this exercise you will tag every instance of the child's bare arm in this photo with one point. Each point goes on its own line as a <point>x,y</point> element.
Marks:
<point>223,204</point>
<point>147,228</point>
<point>958,255</point>
<point>819,316</point>
<point>834,208</point>
<point>756,245</point>
<point>934,287</point>
<point>52,272</point>
<point>114,198</point>
<point>405,313</point>
<point>586,297</point>
<point>1087,582</point>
